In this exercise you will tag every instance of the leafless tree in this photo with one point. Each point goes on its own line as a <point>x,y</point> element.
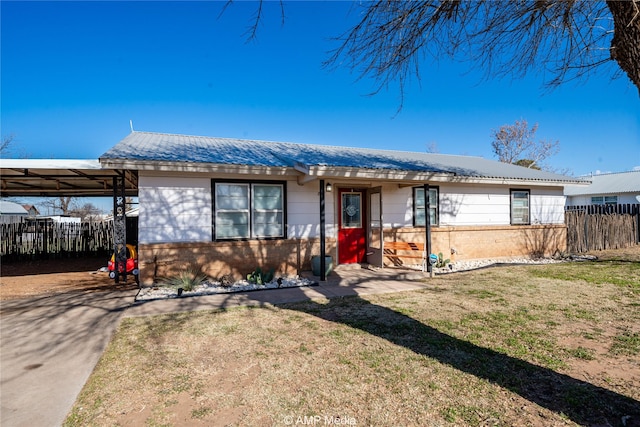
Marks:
<point>62,205</point>
<point>5,145</point>
<point>562,39</point>
<point>516,144</point>
<point>86,212</point>
<point>68,205</point>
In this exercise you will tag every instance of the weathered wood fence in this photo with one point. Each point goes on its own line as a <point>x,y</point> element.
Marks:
<point>599,227</point>
<point>46,239</point>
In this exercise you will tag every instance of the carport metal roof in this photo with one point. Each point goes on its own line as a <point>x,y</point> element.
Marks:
<point>56,177</point>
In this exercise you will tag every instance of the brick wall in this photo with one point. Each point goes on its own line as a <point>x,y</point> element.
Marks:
<point>488,241</point>
<point>287,257</point>
<point>292,256</point>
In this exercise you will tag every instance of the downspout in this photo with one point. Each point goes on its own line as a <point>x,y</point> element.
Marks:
<point>427,224</point>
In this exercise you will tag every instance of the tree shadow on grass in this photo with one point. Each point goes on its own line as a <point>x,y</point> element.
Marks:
<point>580,401</point>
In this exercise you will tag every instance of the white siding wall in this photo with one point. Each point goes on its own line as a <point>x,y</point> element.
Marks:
<point>303,209</point>
<point>179,209</point>
<point>174,209</point>
<point>467,205</point>
<point>547,206</point>
<point>397,206</point>
<point>471,205</point>
<point>628,198</point>
<point>586,200</point>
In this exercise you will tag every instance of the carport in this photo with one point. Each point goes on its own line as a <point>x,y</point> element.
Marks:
<point>76,178</point>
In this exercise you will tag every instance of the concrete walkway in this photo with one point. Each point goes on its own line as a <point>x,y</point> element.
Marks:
<point>50,345</point>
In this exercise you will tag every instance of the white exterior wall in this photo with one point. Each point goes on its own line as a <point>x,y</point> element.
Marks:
<point>547,206</point>
<point>397,206</point>
<point>469,205</point>
<point>179,209</point>
<point>174,209</point>
<point>303,211</point>
<point>623,199</point>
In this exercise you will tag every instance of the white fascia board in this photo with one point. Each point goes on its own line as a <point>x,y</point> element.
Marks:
<point>307,174</point>
<point>421,177</point>
<point>50,164</point>
<point>196,167</point>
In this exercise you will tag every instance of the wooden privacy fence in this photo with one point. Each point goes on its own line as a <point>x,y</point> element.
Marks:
<point>47,239</point>
<point>599,227</point>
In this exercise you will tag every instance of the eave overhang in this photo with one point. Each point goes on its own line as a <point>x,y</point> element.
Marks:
<point>309,173</point>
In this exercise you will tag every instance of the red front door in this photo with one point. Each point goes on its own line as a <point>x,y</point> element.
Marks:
<point>351,227</point>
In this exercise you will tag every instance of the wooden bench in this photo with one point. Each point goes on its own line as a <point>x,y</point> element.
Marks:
<point>408,250</point>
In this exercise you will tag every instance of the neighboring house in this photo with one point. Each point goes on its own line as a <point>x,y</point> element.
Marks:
<point>12,212</point>
<point>32,210</point>
<point>232,205</point>
<point>606,189</point>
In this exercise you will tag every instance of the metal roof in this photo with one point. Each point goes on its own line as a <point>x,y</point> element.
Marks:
<point>56,177</point>
<point>147,148</point>
<point>610,183</point>
<point>11,208</point>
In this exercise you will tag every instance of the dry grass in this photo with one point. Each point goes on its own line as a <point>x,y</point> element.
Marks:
<point>527,345</point>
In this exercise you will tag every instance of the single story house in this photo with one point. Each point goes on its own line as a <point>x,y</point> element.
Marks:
<point>231,205</point>
<point>32,210</point>
<point>606,189</point>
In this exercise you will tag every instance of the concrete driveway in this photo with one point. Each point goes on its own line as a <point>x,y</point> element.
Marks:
<point>49,347</point>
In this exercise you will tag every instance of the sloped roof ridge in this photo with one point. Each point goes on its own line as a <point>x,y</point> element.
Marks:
<point>613,173</point>
<point>166,147</point>
<point>221,138</point>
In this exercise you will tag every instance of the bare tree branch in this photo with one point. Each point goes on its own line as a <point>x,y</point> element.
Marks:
<point>516,144</point>
<point>561,39</point>
<point>5,145</point>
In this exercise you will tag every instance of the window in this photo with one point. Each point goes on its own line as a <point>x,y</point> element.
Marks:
<point>351,210</point>
<point>419,219</point>
<point>519,207</point>
<point>244,210</point>
<point>604,200</point>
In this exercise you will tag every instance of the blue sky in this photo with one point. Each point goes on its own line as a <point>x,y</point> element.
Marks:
<point>75,73</point>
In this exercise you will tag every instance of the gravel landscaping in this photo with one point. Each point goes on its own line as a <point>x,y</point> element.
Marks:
<point>160,291</point>
<point>214,287</point>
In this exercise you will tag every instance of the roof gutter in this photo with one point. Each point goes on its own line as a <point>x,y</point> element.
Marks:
<point>306,173</point>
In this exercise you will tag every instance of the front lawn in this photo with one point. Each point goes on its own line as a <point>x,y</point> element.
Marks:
<point>555,344</point>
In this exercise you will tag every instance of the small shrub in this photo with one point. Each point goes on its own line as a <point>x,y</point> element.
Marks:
<point>441,261</point>
<point>260,277</point>
<point>187,279</point>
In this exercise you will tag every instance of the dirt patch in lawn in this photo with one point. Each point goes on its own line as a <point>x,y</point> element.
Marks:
<point>27,279</point>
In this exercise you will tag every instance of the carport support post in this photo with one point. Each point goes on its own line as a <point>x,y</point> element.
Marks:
<point>119,227</point>
<point>427,226</point>
<point>323,250</point>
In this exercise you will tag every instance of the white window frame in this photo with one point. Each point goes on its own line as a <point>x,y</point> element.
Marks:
<point>250,210</point>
